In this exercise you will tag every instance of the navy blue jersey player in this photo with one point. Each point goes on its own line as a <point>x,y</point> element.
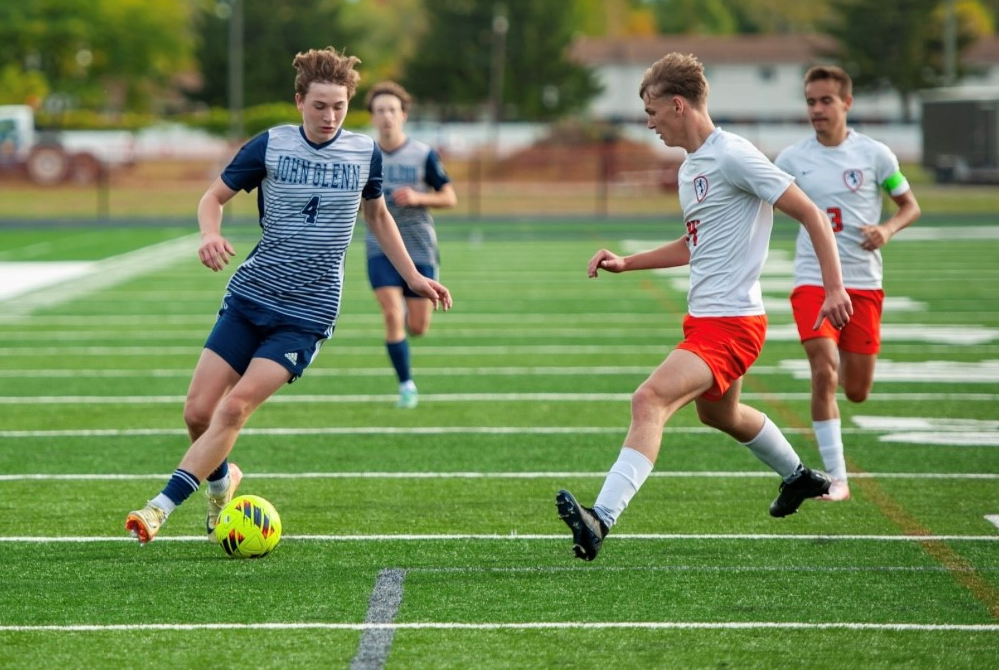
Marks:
<point>283,301</point>
<point>414,181</point>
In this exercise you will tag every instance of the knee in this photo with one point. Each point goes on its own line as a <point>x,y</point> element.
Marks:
<point>197,418</point>
<point>417,328</point>
<point>857,393</point>
<point>711,418</point>
<point>645,401</point>
<point>233,411</point>
<point>825,379</point>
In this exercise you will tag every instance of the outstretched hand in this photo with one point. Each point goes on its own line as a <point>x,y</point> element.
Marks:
<point>604,260</point>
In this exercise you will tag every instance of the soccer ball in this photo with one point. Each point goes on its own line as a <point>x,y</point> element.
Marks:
<point>248,527</point>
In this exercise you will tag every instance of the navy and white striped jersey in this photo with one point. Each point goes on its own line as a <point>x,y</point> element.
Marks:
<point>308,196</point>
<point>418,166</point>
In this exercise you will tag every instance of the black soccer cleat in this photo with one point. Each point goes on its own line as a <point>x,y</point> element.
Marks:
<point>588,531</point>
<point>809,484</point>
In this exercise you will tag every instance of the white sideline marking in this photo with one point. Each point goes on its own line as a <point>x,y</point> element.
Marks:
<point>459,397</point>
<point>993,519</point>
<point>98,275</point>
<point>516,537</point>
<point>533,625</point>
<point>23,277</point>
<point>655,474</point>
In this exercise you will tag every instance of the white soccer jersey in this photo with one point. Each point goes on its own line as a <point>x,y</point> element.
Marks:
<point>417,165</point>
<point>727,191</point>
<point>845,181</point>
<point>308,196</point>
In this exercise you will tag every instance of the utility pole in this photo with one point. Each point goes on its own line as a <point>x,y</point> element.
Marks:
<point>501,25</point>
<point>236,70</point>
<point>950,44</point>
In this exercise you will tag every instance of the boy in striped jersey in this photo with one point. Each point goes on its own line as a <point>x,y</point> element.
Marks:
<point>845,173</point>
<point>283,301</point>
<point>414,181</point>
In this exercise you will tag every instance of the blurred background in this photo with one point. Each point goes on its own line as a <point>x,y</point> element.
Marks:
<point>126,110</point>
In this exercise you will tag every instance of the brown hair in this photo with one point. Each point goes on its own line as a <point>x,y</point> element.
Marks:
<point>676,74</point>
<point>831,72</point>
<point>328,66</point>
<point>388,88</point>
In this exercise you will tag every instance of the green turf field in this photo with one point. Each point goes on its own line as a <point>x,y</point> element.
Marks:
<point>428,539</point>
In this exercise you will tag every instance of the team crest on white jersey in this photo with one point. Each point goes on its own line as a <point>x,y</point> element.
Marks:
<point>700,187</point>
<point>853,179</point>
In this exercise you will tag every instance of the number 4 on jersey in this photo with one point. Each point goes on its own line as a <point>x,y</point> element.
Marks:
<point>311,210</point>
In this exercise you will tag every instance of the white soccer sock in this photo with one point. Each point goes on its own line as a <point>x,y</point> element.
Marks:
<point>771,447</point>
<point>829,435</point>
<point>163,503</point>
<point>219,486</point>
<point>626,476</point>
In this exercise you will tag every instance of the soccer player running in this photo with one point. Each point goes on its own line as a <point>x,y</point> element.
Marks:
<point>728,190</point>
<point>283,301</point>
<point>844,172</point>
<point>414,181</point>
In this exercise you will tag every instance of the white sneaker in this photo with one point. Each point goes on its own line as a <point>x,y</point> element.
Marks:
<point>839,490</point>
<point>408,399</point>
<point>215,504</point>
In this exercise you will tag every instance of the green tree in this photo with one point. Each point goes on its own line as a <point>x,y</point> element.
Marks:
<point>274,31</point>
<point>105,54</point>
<point>452,68</point>
<point>694,17</point>
<point>893,43</point>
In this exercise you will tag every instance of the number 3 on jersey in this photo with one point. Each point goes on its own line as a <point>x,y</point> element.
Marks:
<point>311,210</point>
<point>836,218</point>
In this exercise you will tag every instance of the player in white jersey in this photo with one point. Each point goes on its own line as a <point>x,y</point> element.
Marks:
<point>283,301</point>
<point>845,174</point>
<point>415,181</point>
<point>728,190</point>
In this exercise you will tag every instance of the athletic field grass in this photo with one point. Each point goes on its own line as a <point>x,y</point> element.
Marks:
<point>428,539</point>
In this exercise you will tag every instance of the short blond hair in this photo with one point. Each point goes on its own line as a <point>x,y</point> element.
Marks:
<point>328,66</point>
<point>676,74</point>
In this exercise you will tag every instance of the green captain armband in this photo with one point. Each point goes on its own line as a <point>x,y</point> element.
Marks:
<point>894,182</point>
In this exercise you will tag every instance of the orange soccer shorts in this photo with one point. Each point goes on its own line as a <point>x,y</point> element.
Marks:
<point>862,335</point>
<point>728,344</point>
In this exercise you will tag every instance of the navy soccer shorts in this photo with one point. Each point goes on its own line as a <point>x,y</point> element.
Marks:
<point>246,330</point>
<point>382,273</point>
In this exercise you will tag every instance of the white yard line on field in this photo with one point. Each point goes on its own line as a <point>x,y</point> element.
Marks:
<point>516,537</point>
<point>461,397</point>
<point>538,625</point>
<point>665,474</point>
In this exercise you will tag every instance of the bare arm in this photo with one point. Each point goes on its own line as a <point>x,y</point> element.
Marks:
<point>876,236</point>
<point>409,197</point>
<point>215,251</point>
<point>383,227</point>
<point>837,306</point>
<point>670,255</point>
